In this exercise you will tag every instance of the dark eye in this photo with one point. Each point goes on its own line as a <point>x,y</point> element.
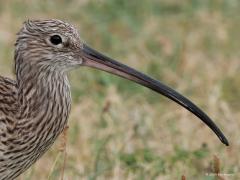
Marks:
<point>55,39</point>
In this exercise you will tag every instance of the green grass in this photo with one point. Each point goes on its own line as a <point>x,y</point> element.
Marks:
<point>119,130</point>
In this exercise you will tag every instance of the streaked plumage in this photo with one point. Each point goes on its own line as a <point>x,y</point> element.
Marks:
<point>35,107</point>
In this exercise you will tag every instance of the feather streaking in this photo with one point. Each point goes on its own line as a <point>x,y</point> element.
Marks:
<point>34,108</point>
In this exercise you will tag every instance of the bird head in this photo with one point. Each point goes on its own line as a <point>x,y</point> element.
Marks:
<point>52,44</point>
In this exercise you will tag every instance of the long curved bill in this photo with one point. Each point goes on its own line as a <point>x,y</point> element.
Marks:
<point>94,59</point>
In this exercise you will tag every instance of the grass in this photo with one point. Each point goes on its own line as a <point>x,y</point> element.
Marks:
<point>119,130</point>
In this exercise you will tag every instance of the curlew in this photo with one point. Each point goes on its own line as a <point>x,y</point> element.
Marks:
<point>34,107</point>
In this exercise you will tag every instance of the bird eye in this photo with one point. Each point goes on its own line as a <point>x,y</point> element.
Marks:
<point>55,39</point>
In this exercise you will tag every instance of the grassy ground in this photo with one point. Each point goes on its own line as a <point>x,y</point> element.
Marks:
<point>119,130</point>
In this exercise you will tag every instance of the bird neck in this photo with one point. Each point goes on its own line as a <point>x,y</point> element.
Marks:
<point>44,98</point>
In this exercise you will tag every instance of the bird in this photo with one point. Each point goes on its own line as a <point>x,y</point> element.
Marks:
<point>35,106</point>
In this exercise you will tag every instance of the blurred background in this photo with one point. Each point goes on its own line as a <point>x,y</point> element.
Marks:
<point>119,130</point>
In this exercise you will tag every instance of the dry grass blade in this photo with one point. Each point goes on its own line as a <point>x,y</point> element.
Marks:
<point>183,177</point>
<point>216,167</point>
<point>216,164</point>
<point>64,150</point>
